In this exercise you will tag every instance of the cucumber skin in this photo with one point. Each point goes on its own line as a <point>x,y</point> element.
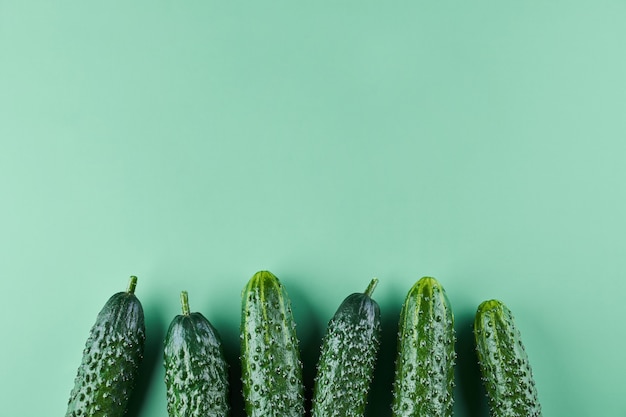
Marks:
<point>196,371</point>
<point>424,378</point>
<point>270,358</point>
<point>507,374</point>
<point>111,359</point>
<point>347,358</point>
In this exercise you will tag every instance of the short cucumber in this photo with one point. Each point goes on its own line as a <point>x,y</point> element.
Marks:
<point>348,357</point>
<point>196,372</point>
<point>424,378</point>
<point>504,363</point>
<point>270,357</point>
<point>111,358</point>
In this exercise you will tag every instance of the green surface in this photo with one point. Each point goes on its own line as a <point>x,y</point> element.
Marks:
<point>194,143</point>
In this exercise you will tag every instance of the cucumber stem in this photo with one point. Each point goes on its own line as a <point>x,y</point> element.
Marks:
<point>132,284</point>
<point>184,302</point>
<point>370,288</point>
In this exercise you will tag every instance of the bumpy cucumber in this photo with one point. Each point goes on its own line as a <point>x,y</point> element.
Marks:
<point>270,358</point>
<point>424,378</point>
<point>348,357</point>
<point>196,372</point>
<point>111,358</point>
<point>504,363</point>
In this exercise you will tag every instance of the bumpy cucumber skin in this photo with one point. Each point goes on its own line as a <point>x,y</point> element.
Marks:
<point>507,374</point>
<point>270,357</point>
<point>424,378</point>
<point>196,372</point>
<point>111,360</point>
<point>347,359</point>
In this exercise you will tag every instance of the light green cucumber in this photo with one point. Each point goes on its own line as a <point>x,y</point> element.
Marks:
<point>196,372</point>
<point>270,357</point>
<point>424,377</point>
<point>348,357</point>
<point>507,374</point>
<point>111,358</point>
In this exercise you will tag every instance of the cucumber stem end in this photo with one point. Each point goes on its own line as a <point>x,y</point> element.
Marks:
<point>184,302</point>
<point>132,284</point>
<point>371,287</point>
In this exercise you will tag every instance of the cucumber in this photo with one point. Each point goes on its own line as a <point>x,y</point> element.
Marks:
<point>270,358</point>
<point>196,372</point>
<point>504,363</point>
<point>424,376</point>
<point>111,358</point>
<point>348,357</point>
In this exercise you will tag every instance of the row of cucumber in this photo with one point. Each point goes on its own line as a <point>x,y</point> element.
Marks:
<point>196,371</point>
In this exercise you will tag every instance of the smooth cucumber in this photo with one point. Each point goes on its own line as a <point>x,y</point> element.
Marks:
<point>270,357</point>
<point>196,372</point>
<point>424,377</point>
<point>348,357</point>
<point>111,358</point>
<point>504,364</point>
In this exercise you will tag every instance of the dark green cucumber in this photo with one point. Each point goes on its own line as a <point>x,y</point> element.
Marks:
<point>111,358</point>
<point>424,379</point>
<point>196,372</point>
<point>504,363</point>
<point>348,357</point>
<point>270,358</point>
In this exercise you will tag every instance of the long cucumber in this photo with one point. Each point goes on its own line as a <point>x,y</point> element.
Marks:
<point>424,378</point>
<point>196,372</point>
<point>348,357</point>
<point>270,356</point>
<point>111,358</point>
<point>504,364</point>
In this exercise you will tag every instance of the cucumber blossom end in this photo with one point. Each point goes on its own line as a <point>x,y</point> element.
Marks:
<point>424,376</point>
<point>504,364</point>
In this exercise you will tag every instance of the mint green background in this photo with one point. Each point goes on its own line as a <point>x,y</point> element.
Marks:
<point>193,143</point>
